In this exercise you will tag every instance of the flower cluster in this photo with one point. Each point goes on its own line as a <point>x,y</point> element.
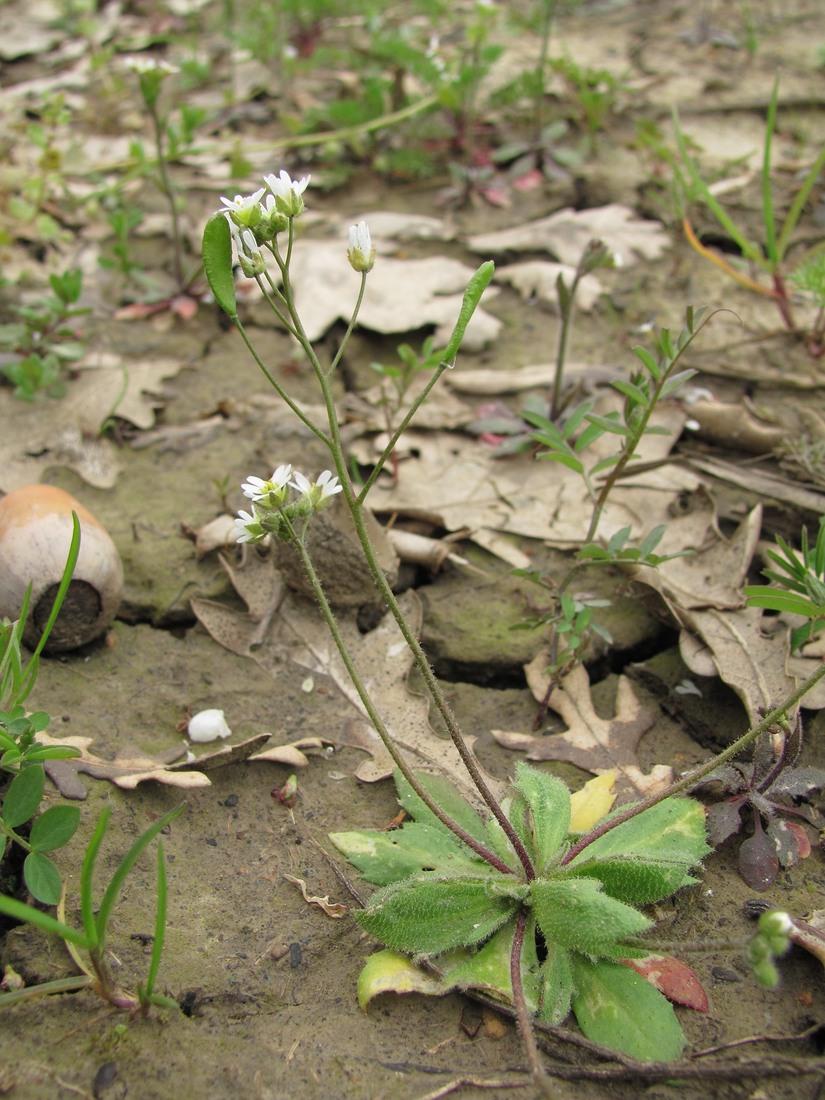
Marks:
<point>151,74</point>
<point>256,220</point>
<point>273,511</point>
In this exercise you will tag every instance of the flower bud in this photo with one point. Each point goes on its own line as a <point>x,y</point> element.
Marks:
<point>361,251</point>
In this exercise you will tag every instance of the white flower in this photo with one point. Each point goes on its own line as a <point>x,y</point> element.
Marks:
<point>287,193</point>
<point>250,257</point>
<point>143,65</point>
<point>208,725</point>
<point>247,528</point>
<point>244,210</point>
<point>328,485</point>
<point>361,251</point>
<point>262,491</point>
<point>318,492</point>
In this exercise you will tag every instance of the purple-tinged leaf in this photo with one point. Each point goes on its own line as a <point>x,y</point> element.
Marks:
<point>758,860</point>
<point>724,820</point>
<point>799,782</point>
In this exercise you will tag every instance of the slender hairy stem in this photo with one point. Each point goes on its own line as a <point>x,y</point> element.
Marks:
<point>374,717</point>
<point>356,510</point>
<point>566,299</point>
<point>281,392</point>
<point>168,191</point>
<point>350,326</point>
<point>399,431</point>
<point>711,765</point>
<point>525,1026</point>
<point>435,690</point>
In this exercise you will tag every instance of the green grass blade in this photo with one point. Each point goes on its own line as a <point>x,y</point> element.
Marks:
<point>160,925</point>
<point>27,914</point>
<point>30,673</point>
<point>126,864</point>
<point>798,204</point>
<point>59,985</point>
<point>748,249</point>
<point>87,907</point>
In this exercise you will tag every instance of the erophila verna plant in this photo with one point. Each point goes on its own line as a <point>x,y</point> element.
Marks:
<point>530,902</point>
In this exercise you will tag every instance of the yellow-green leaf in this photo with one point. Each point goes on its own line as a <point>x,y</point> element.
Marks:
<point>388,972</point>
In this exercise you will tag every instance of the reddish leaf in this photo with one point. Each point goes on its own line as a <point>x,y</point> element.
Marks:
<point>672,977</point>
<point>529,181</point>
<point>803,844</point>
<point>184,306</point>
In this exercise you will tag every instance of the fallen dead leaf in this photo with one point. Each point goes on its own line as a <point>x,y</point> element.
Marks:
<point>333,909</point>
<point>568,232</point>
<point>124,771</point>
<point>714,570</point>
<point>537,279</point>
<point>590,742</point>
<point>293,754</point>
<point>109,385</point>
<point>748,655</point>
<point>406,295</point>
<point>672,977</point>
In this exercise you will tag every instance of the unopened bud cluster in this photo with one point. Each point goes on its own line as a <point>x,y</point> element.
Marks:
<point>772,939</point>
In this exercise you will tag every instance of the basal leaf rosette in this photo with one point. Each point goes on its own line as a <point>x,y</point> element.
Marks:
<point>440,901</point>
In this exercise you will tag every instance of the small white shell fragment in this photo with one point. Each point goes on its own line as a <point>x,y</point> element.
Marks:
<point>208,725</point>
<point>308,686</point>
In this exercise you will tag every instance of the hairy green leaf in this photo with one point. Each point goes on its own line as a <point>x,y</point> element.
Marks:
<point>488,969</point>
<point>577,913</point>
<point>383,858</point>
<point>616,1007</point>
<point>557,985</point>
<point>216,250</point>
<point>442,791</point>
<point>549,802</point>
<point>636,880</point>
<point>428,916</point>
<point>672,831</point>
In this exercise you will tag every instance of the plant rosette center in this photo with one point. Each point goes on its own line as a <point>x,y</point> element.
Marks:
<point>438,900</point>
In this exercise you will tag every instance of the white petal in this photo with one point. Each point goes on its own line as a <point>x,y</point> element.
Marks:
<point>301,483</point>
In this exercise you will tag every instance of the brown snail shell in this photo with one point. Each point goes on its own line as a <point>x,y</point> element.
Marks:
<point>35,535</point>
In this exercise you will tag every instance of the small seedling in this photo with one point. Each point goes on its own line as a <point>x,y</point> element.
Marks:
<point>764,793</point>
<point>91,940</point>
<point>769,257</point>
<point>800,578</point>
<point>41,342</point>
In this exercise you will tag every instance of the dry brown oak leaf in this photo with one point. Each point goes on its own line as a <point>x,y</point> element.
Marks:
<point>590,742</point>
<point>128,770</point>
